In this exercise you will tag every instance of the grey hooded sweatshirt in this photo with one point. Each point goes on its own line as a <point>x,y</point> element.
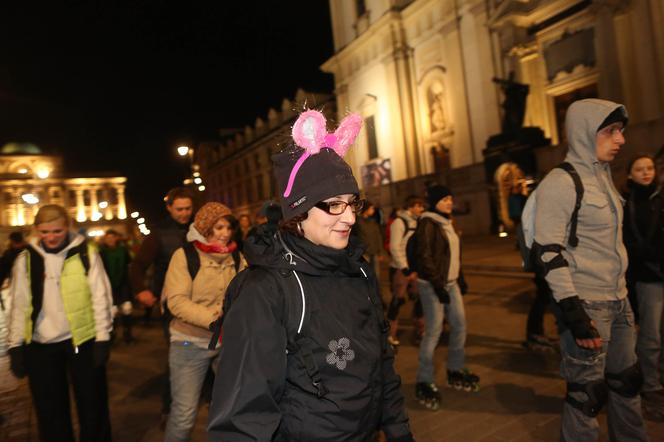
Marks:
<point>596,270</point>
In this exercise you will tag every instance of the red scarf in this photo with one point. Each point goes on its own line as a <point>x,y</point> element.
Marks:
<point>215,248</point>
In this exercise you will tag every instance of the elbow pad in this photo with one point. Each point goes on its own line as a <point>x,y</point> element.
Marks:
<point>544,267</point>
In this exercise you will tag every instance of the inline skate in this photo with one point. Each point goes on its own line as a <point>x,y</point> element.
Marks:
<point>463,380</point>
<point>428,395</point>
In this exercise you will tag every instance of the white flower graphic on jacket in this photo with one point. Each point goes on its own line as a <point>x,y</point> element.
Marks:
<point>341,353</point>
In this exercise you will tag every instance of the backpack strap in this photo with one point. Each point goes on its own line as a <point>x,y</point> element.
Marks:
<point>236,259</point>
<point>406,227</point>
<point>83,254</point>
<point>37,274</point>
<point>578,186</point>
<point>193,259</point>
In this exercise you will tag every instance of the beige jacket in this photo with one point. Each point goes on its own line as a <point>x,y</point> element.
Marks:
<point>196,304</point>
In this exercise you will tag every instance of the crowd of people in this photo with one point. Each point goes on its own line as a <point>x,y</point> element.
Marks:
<point>289,311</point>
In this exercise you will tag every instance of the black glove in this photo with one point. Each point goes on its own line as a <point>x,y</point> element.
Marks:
<point>443,296</point>
<point>102,351</point>
<point>576,319</point>
<point>463,286</point>
<point>17,361</point>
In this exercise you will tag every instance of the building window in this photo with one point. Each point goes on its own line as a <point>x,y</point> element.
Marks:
<point>257,161</point>
<point>370,129</point>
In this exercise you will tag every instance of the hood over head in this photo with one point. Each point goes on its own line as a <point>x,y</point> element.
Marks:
<point>584,118</point>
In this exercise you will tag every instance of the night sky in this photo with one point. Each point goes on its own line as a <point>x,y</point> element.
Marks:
<point>117,86</point>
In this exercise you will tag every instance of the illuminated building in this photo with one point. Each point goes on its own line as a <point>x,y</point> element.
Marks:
<point>238,171</point>
<point>30,178</point>
<point>420,73</point>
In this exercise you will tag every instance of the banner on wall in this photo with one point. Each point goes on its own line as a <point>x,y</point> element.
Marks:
<point>376,172</point>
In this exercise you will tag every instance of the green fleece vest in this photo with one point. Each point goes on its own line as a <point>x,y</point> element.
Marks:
<point>76,297</point>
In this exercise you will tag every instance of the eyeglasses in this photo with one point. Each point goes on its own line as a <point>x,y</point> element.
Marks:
<point>339,207</point>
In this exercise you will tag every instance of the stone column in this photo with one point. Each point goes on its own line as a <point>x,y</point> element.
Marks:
<point>108,211</point>
<point>94,204</point>
<point>402,57</point>
<point>610,83</point>
<point>80,205</point>
<point>122,208</point>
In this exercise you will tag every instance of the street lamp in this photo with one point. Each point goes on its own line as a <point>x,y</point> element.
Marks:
<point>134,215</point>
<point>43,173</point>
<point>183,150</point>
<point>141,221</point>
<point>30,198</point>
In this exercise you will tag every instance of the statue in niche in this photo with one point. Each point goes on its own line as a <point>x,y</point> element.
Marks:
<point>514,106</point>
<point>436,101</point>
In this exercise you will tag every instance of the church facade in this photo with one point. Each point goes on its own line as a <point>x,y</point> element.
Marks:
<point>421,73</point>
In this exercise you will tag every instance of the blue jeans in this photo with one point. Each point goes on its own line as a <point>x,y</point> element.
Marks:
<point>434,313</point>
<point>649,344</point>
<point>615,322</point>
<point>188,364</point>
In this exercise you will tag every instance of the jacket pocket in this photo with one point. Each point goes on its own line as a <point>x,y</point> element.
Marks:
<point>596,212</point>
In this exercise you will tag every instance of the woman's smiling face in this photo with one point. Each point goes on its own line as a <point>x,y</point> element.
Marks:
<point>329,230</point>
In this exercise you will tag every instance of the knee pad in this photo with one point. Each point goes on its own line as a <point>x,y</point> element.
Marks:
<point>628,382</point>
<point>589,398</point>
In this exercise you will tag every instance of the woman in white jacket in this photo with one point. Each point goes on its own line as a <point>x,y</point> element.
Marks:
<point>60,327</point>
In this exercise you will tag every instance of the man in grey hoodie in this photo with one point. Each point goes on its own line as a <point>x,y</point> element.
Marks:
<point>588,279</point>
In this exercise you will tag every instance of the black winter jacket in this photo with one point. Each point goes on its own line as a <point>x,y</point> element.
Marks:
<point>263,392</point>
<point>643,232</point>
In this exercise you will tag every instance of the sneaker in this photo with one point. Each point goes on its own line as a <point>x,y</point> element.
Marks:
<point>393,341</point>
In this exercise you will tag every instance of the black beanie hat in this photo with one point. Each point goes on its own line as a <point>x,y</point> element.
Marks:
<point>321,176</point>
<point>436,193</point>
<point>619,115</point>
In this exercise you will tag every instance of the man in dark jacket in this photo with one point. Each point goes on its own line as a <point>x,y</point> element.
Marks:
<point>437,261</point>
<point>156,251</point>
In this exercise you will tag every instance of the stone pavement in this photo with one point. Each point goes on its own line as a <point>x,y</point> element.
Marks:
<point>520,397</point>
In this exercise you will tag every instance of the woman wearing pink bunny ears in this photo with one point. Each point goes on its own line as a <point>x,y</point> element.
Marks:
<point>304,354</point>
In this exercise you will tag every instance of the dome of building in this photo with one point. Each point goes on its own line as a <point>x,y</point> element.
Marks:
<point>20,149</point>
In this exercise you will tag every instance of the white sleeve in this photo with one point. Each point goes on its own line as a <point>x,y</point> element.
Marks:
<point>18,294</point>
<point>102,297</point>
<point>397,243</point>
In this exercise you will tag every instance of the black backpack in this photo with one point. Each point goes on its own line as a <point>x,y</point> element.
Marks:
<point>194,260</point>
<point>525,232</point>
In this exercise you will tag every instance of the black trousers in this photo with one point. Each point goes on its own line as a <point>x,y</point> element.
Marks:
<point>51,368</point>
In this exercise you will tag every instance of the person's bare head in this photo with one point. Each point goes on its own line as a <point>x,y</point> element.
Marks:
<point>180,204</point>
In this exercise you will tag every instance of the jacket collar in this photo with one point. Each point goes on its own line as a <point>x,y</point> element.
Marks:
<point>75,239</point>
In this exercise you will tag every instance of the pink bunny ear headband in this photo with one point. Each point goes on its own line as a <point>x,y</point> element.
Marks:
<point>310,133</point>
